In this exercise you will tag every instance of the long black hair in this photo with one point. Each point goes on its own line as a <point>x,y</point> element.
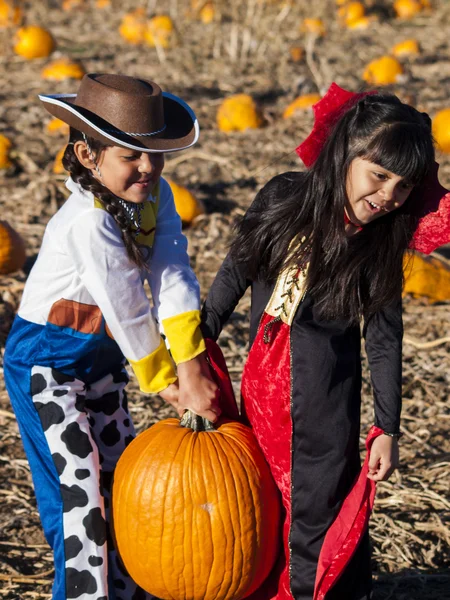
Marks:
<point>299,217</point>
<point>84,177</point>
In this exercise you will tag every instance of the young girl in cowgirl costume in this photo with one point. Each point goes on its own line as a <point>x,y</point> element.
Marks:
<point>322,249</point>
<point>84,310</point>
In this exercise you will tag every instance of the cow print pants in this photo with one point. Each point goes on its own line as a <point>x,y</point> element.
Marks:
<point>86,429</point>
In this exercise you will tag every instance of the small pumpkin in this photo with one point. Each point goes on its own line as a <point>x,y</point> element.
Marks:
<point>383,71</point>
<point>207,13</point>
<point>406,48</point>
<point>186,204</point>
<point>406,9</point>
<point>58,166</point>
<point>5,146</point>
<point>12,249</point>
<point>441,129</point>
<point>103,3</point>
<point>61,69</point>
<point>134,26</point>
<point>33,41</point>
<point>10,14</point>
<point>301,103</point>
<point>362,23</point>
<point>195,509</point>
<point>71,4</point>
<point>238,113</point>
<point>428,276</point>
<point>297,53</point>
<point>351,12</point>
<point>160,31</point>
<point>56,127</point>
<point>315,26</point>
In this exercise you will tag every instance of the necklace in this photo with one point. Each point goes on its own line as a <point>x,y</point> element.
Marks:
<point>133,213</point>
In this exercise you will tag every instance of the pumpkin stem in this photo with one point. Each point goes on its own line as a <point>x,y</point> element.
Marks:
<point>195,422</point>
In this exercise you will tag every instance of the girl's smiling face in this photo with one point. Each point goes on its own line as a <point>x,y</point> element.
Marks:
<point>128,174</point>
<point>373,191</point>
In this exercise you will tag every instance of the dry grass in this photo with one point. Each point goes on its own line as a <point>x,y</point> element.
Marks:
<point>247,49</point>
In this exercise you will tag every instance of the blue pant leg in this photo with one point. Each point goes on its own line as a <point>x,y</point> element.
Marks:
<point>43,470</point>
<point>73,518</point>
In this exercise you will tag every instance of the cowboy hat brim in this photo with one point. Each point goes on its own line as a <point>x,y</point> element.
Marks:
<point>180,132</point>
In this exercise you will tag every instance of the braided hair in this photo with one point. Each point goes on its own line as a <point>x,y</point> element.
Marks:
<point>84,177</point>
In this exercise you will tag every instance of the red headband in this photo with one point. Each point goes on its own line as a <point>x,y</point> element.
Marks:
<point>431,200</point>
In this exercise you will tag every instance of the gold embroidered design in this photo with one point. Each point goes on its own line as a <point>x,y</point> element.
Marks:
<point>287,295</point>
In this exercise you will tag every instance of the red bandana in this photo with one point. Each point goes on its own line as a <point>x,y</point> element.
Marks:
<point>431,202</point>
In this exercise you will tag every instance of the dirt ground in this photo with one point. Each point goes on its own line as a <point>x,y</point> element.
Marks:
<point>246,49</point>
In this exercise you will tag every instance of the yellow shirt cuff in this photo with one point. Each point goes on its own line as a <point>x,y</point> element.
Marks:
<point>184,335</point>
<point>155,371</point>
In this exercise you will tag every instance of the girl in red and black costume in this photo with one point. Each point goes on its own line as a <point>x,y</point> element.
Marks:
<point>322,251</point>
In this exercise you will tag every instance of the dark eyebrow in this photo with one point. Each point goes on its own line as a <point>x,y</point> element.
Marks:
<point>387,172</point>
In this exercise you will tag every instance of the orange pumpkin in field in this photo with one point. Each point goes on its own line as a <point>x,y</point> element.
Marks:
<point>406,9</point>
<point>441,129</point>
<point>10,14</point>
<point>134,26</point>
<point>238,113</point>
<point>383,71</point>
<point>56,126</point>
<point>5,147</point>
<point>160,31</point>
<point>196,512</point>
<point>427,276</point>
<point>33,42</point>
<point>58,167</point>
<point>301,103</point>
<point>314,26</point>
<point>186,204</point>
<point>406,48</point>
<point>12,249</point>
<point>61,69</point>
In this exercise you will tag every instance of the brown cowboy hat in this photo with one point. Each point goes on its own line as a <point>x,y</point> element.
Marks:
<point>128,112</point>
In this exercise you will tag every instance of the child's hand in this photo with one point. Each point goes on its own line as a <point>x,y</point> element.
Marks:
<point>198,392</point>
<point>384,458</point>
<point>171,394</point>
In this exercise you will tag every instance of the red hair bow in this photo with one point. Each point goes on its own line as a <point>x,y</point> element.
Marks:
<point>431,200</point>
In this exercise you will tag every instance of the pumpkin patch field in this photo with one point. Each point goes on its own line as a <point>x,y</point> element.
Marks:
<point>251,70</point>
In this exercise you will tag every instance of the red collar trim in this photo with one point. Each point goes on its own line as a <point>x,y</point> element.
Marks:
<point>348,222</point>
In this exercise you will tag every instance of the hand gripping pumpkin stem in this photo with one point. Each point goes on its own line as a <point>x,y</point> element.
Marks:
<point>192,421</point>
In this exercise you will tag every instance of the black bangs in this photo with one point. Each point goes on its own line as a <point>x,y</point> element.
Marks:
<point>402,148</point>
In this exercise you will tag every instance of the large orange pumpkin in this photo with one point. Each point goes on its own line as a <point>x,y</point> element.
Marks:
<point>196,512</point>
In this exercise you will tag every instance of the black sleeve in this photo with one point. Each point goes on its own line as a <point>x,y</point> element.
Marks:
<point>383,333</point>
<point>232,281</point>
<point>227,289</point>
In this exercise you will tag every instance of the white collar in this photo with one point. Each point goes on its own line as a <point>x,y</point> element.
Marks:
<point>76,188</point>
